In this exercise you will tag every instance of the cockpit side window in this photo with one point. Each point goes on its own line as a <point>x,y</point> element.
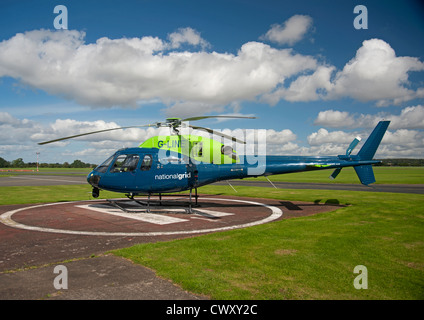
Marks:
<point>125,163</point>
<point>147,163</point>
<point>103,167</point>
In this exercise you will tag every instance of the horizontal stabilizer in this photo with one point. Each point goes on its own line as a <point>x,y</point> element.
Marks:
<point>365,174</point>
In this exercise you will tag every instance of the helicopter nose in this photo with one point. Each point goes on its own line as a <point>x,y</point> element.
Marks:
<point>93,179</point>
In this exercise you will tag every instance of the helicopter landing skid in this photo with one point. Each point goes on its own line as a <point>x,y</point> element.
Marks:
<point>115,204</point>
<point>147,205</point>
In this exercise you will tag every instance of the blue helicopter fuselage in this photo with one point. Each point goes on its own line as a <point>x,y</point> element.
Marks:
<point>153,170</point>
<point>153,174</point>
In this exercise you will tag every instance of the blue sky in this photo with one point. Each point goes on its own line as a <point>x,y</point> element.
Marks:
<point>313,80</point>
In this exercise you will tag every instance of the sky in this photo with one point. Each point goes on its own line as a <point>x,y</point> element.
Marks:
<point>315,74</point>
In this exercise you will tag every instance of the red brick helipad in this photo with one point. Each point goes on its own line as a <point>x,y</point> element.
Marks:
<point>101,218</point>
<point>34,234</point>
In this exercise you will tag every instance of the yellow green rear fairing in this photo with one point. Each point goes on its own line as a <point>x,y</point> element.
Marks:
<point>198,148</point>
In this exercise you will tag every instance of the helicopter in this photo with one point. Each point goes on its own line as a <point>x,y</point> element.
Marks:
<point>181,162</point>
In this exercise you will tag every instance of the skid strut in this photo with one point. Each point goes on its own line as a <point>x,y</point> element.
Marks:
<point>146,204</point>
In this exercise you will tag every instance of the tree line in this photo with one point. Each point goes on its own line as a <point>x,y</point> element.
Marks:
<point>401,162</point>
<point>19,163</point>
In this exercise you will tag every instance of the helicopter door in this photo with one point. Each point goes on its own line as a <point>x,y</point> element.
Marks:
<point>147,163</point>
<point>123,171</point>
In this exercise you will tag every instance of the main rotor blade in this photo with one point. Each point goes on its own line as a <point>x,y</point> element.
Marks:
<point>92,132</point>
<point>219,134</point>
<point>176,122</point>
<point>206,117</point>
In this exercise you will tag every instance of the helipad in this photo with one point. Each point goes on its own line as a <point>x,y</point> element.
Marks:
<point>42,233</point>
<point>100,218</point>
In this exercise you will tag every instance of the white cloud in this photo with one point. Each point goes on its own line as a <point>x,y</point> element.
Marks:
<point>291,31</point>
<point>376,73</point>
<point>126,72</point>
<point>289,148</point>
<point>305,87</point>
<point>330,143</point>
<point>323,136</point>
<point>398,143</point>
<point>187,109</point>
<point>189,36</point>
<point>280,137</point>
<point>409,118</point>
<point>402,143</point>
<point>334,119</point>
<point>404,138</point>
<point>344,119</point>
<point>15,131</point>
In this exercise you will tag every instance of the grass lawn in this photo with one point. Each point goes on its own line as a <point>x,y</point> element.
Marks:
<point>303,258</point>
<point>48,194</point>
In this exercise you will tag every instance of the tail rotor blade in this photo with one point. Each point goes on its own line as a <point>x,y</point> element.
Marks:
<point>352,145</point>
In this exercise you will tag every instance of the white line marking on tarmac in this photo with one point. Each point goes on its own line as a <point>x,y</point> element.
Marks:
<point>58,180</point>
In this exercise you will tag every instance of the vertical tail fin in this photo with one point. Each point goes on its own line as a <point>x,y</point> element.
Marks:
<point>369,148</point>
<point>367,152</point>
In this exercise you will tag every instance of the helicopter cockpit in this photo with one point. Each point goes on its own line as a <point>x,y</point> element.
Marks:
<point>120,164</point>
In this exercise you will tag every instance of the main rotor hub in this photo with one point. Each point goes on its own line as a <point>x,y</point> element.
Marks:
<point>174,121</point>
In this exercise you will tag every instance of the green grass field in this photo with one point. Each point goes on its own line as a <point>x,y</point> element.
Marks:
<point>300,258</point>
<point>47,194</point>
<point>303,258</point>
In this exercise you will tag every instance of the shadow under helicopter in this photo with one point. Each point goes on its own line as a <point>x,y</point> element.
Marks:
<point>178,204</point>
